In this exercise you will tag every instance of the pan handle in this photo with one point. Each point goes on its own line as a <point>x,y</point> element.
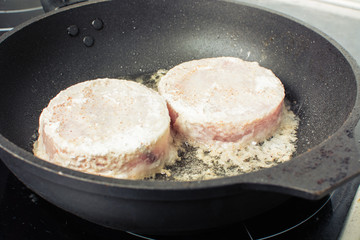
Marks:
<point>49,5</point>
<point>319,171</point>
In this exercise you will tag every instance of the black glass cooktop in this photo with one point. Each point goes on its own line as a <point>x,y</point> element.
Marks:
<point>25,215</point>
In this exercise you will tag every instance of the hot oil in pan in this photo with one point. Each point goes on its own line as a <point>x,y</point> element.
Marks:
<point>196,162</point>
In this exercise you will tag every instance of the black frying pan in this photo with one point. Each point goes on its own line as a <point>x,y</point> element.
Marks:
<point>43,56</point>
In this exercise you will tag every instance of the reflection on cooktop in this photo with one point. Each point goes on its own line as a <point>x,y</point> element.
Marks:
<point>19,4</point>
<point>14,12</point>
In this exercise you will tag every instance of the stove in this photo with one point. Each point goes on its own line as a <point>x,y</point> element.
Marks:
<point>25,215</point>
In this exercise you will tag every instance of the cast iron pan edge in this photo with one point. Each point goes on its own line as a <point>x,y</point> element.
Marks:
<point>293,178</point>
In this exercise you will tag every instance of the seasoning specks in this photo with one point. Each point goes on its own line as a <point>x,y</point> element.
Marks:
<point>197,162</point>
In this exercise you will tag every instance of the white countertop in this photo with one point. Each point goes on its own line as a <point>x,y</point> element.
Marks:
<point>352,226</point>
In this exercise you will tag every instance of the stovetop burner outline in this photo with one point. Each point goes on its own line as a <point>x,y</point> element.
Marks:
<point>15,12</point>
<point>21,10</point>
<point>314,209</point>
<point>296,225</point>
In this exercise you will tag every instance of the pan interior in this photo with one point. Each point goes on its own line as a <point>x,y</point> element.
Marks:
<point>139,37</point>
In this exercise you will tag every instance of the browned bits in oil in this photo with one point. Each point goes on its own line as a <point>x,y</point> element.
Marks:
<point>196,162</point>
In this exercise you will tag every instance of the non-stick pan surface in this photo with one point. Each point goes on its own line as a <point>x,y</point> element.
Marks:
<point>64,47</point>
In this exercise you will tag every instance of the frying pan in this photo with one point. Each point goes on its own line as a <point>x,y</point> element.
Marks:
<point>129,37</point>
